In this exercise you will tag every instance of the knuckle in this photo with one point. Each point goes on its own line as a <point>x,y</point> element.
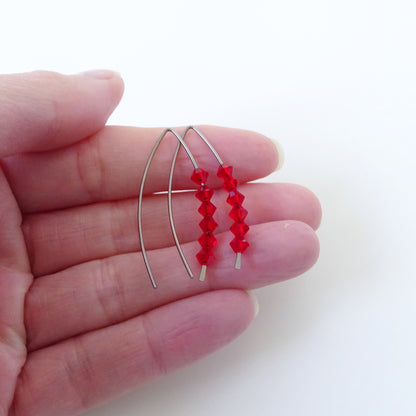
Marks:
<point>156,360</point>
<point>109,291</point>
<point>90,168</point>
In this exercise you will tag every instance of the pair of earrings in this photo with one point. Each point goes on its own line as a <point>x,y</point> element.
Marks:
<point>204,194</point>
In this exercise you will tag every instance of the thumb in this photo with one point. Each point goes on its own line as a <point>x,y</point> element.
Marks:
<point>45,110</point>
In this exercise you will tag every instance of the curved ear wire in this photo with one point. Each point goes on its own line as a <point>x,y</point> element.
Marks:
<point>204,139</point>
<point>208,225</point>
<point>139,209</point>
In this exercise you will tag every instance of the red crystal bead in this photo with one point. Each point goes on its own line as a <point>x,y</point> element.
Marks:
<point>207,209</point>
<point>208,224</point>
<point>238,213</point>
<point>230,185</point>
<point>199,176</point>
<point>238,245</point>
<point>205,257</point>
<point>207,240</point>
<point>239,229</point>
<point>235,198</point>
<point>204,193</point>
<point>225,172</point>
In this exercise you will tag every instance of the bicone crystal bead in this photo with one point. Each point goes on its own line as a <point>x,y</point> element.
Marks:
<point>207,240</point>
<point>238,213</point>
<point>230,185</point>
<point>225,172</point>
<point>239,229</point>
<point>204,193</point>
<point>238,245</point>
<point>207,209</point>
<point>199,176</point>
<point>235,198</point>
<point>208,224</point>
<point>205,257</point>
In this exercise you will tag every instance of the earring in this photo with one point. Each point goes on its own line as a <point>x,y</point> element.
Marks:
<point>207,240</point>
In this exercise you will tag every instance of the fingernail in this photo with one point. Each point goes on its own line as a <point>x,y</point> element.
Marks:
<point>255,302</point>
<point>100,74</point>
<point>281,154</point>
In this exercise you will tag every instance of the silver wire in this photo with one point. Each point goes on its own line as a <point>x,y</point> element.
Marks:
<point>203,273</point>
<point>238,261</point>
<point>172,169</point>
<point>172,225</point>
<point>217,156</point>
<point>139,209</point>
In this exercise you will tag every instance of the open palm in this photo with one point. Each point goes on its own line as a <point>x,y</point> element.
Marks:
<point>79,319</point>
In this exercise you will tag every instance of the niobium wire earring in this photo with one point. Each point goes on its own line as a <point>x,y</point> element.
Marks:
<point>207,240</point>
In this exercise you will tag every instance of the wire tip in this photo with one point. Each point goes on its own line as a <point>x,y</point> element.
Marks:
<point>203,273</point>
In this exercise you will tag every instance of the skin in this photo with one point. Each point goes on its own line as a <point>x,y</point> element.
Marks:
<point>79,321</point>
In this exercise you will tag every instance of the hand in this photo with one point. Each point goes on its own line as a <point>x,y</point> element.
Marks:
<point>79,319</point>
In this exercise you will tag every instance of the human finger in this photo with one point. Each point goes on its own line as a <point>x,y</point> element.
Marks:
<point>103,292</point>
<point>110,165</point>
<point>44,110</point>
<point>15,280</point>
<point>60,239</point>
<point>88,369</point>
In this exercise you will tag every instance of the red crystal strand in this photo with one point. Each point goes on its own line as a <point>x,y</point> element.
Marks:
<point>207,240</point>
<point>238,213</point>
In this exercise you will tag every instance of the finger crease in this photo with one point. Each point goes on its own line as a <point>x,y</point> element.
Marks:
<point>90,167</point>
<point>79,373</point>
<point>156,356</point>
<point>110,292</point>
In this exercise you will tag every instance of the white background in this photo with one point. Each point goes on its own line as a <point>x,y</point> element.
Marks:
<point>334,82</point>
